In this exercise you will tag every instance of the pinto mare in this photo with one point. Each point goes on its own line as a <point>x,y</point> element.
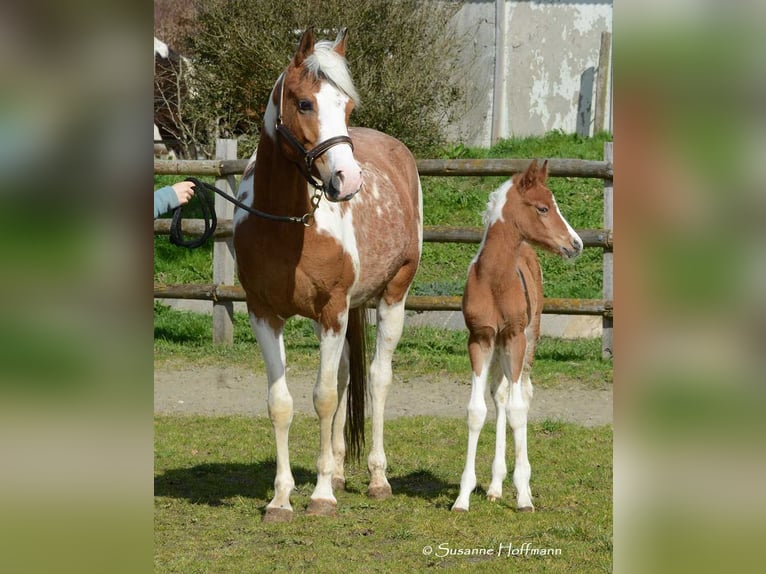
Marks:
<point>502,303</point>
<point>362,243</point>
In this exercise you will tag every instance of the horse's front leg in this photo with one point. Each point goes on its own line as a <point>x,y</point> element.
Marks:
<point>268,333</point>
<point>332,338</point>
<point>480,350</point>
<point>517,409</point>
<point>339,422</point>
<point>390,323</point>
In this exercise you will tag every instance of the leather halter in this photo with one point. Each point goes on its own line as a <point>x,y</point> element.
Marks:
<point>309,156</point>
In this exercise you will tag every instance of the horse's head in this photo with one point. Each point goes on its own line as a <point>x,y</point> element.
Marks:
<point>314,99</point>
<point>537,215</point>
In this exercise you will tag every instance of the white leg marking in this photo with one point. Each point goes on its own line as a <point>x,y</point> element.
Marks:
<point>280,406</point>
<point>326,404</point>
<point>390,323</point>
<point>499,390</point>
<point>339,422</point>
<point>477,414</point>
<point>517,408</point>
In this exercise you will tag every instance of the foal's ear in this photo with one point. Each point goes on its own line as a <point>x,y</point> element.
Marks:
<point>529,177</point>
<point>542,174</point>
<point>306,46</point>
<point>340,42</point>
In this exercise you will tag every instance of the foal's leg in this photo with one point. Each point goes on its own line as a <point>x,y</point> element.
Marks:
<point>390,323</point>
<point>326,404</point>
<point>499,391</point>
<point>269,337</point>
<point>480,351</point>
<point>517,408</point>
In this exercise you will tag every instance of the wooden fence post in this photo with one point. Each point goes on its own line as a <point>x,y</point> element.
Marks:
<point>607,351</point>
<point>602,81</point>
<point>223,249</point>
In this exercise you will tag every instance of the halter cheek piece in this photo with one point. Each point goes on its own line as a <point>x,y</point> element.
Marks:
<point>309,156</point>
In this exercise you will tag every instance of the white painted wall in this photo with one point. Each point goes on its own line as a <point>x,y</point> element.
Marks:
<point>529,83</point>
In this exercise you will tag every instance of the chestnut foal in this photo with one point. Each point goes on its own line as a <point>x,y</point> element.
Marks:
<point>502,303</point>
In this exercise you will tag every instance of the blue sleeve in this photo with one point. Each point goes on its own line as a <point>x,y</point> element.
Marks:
<point>165,199</point>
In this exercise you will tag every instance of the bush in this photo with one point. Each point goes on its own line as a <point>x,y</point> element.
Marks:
<point>399,52</point>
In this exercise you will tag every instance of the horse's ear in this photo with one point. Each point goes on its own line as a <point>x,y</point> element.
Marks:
<point>306,46</point>
<point>542,174</point>
<point>340,42</point>
<point>529,177</point>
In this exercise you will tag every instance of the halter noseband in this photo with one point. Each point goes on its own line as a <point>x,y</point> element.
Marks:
<point>309,156</point>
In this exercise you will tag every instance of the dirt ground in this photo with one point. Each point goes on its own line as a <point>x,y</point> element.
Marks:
<point>226,391</point>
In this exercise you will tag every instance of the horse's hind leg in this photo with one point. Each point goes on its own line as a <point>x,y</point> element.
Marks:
<point>390,323</point>
<point>280,405</point>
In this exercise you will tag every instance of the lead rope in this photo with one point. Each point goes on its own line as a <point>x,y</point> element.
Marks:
<point>206,201</point>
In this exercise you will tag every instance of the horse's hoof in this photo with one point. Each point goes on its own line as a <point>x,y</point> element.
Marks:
<point>338,483</point>
<point>494,497</point>
<point>526,509</point>
<point>275,514</point>
<point>379,492</point>
<point>321,507</point>
<point>459,509</point>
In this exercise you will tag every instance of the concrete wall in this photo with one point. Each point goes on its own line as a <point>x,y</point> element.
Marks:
<point>526,67</point>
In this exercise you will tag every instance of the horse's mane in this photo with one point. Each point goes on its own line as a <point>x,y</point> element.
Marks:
<point>495,204</point>
<point>326,63</point>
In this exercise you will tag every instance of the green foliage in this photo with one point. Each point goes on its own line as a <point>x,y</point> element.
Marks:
<point>214,476</point>
<point>399,53</point>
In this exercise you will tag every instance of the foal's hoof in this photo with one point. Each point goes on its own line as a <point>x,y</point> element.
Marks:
<point>379,492</point>
<point>459,509</point>
<point>493,497</point>
<point>526,509</point>
<point>278,515</point>
<point>338,483</point>
<point>321,507</point>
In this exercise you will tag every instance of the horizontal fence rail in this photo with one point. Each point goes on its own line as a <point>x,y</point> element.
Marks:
<point>212,292</point>
<point>426,167</point>
<point>223,293</point>
<point>431,233</point>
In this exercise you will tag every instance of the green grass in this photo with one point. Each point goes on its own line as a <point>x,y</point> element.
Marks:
<point>214,476</point>
<point>461,201</point>
<point>185,336</point>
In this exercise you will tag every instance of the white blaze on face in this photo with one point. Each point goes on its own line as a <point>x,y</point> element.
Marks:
<point>339,168</point>
<point>573,236</point>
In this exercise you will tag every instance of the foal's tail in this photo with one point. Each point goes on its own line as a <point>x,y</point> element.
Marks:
<point>356,335</point>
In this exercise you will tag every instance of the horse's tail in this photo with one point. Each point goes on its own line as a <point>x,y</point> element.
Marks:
<point>356,335</point>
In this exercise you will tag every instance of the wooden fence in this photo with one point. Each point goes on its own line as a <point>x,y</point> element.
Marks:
<point>223,293</point>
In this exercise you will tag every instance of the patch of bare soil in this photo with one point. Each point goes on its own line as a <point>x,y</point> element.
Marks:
<point>236,391</point>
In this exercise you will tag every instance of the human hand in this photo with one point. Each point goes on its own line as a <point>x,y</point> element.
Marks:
<point>184,190</point>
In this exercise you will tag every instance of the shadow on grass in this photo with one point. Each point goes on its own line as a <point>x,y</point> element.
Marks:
<point>423,484</point>
<point>211,484</point>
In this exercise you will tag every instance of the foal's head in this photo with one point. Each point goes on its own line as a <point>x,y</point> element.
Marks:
<point>316,96</point>
<point>537,216</point>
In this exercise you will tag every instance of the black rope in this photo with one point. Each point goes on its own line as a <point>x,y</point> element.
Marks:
<point>207,203</point>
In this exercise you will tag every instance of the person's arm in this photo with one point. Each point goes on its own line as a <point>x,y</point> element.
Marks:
<point>165,199</point>
<point>170,197</point>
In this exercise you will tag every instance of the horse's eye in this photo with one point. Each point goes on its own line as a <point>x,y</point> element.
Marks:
<point>542,209</point>
<point>305,105</point>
